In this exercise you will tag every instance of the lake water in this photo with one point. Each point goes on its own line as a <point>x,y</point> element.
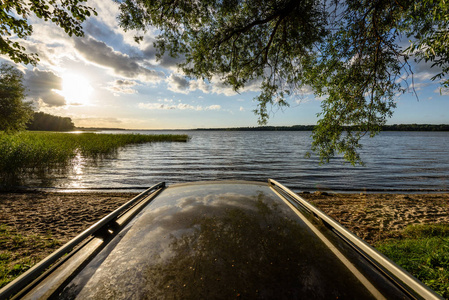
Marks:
<point>395,162</point>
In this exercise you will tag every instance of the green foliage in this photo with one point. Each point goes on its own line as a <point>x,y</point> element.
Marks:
<point>28,153</point>
<point>423,251</point>
<point>430,22</point>
<point>346,52</point>
<point>46,122</point>
<point>14,15</point>
<point>14,112</point>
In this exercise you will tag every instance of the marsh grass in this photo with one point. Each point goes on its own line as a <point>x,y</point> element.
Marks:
<point>18,252</point>
<point>27,154</point>
<point>423,250</point>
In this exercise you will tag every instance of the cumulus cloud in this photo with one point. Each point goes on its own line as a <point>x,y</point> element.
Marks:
<point>121,86</point>
<point>48,54</point>
<point>213,107</point>
<point>200,85</point>
<point>97,29</point>
<point>216,86</point>
<point>99,53</point>
<point>166,61</point>
<point>179,106</point>
<point>42,86</point>
<point>178,84</point>
<point>112,35</point>
<point>442,91</point>
<point>165,106</point>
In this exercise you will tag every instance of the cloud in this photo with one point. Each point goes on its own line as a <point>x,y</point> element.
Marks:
<point>97,29</point>
<point>216,86</point>
<point>200,85</point>
<point>419,85</point>
<point>178,84</point>
<point>111,35</point>
<point>442,91</point>
<point>121,86</point>
<point>213,107</point>
<point>41,87</point>
<point>179,106</point>
<point>166,61</point>
<point>155,106</point>
<point>427,69</point>
<point>99,53</point>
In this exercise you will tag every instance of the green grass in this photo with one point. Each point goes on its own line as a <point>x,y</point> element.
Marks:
<point>18,253</point>
<point>423,250</point>
<point>28,153</point>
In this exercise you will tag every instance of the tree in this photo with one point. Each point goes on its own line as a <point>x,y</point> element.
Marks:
<point>67,14</point>
<point>347,52</point>
<point>14,112</point>
<point>46,122</point>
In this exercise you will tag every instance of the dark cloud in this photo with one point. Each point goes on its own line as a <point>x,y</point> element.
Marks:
<point>41,85</point>
<point>178,84</point>
<point>165,61</point>
<point>122,64</point>
<point>426,67</point>
<point>100,31</point>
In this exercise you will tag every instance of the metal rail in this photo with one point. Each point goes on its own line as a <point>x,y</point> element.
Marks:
<point>26,278</point>
<point>386,264</point>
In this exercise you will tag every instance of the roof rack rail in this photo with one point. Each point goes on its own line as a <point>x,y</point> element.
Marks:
<point>28,277</point>
<point>402,277</point>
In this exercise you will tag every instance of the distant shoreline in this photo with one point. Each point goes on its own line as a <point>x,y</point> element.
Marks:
<point>395,127</point>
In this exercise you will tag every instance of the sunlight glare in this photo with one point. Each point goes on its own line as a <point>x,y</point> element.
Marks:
<point>76,89</point>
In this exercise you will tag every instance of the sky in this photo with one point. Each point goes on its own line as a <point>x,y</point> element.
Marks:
<point>105,79</point>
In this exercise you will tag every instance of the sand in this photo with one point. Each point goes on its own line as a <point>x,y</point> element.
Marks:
<point>61,215</point>
<point>376,217</point>
<point>373,217</point>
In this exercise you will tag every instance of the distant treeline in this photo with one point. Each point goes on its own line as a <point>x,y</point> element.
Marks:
<point>46,122</point>
<point>396,127</point>
<point>416,127</point>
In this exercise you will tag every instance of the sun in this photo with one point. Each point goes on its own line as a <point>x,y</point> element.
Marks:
<point>76,89</point>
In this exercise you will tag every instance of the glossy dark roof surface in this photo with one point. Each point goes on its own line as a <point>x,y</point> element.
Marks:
<point>217,241</point>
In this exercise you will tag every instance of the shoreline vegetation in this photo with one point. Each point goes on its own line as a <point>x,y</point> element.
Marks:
<point>35,224</point>
<point>34,153</point>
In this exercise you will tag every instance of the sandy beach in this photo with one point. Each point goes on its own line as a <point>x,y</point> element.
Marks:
<point>61,215</point>
<point>372,217</point>
<point>375,217</point>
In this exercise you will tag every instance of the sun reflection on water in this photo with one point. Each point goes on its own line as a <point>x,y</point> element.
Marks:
<point>78,164</point>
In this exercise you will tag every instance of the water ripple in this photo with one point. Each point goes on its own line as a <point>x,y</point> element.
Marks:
<point>395,161</point>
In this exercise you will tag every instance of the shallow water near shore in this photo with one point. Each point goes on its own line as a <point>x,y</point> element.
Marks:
<point>395,162</point>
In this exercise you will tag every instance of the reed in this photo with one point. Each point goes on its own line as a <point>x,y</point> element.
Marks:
<point>30,152</point>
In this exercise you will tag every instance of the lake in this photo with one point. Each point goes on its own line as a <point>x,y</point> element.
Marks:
<point>395,162</point>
